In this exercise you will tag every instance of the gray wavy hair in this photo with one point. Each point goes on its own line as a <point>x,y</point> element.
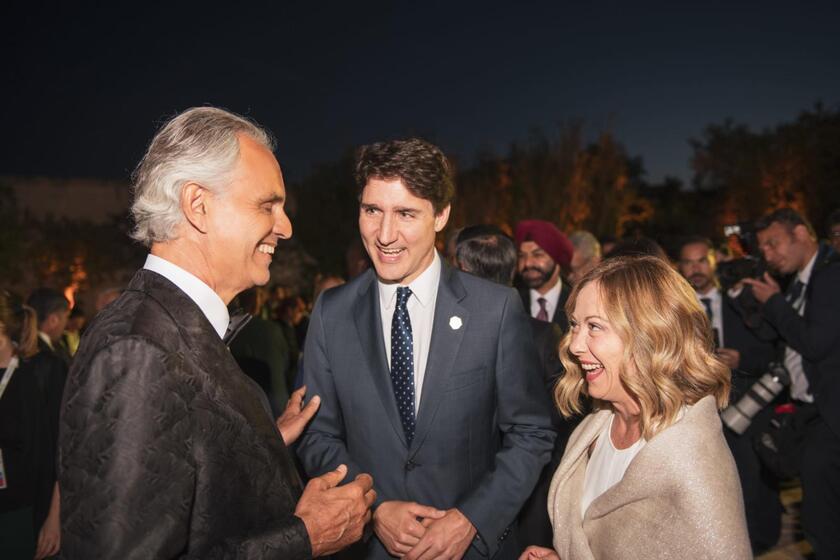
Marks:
<point>199,145</point>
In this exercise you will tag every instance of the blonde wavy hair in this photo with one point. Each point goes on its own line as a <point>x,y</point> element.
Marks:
<point>667,339</point>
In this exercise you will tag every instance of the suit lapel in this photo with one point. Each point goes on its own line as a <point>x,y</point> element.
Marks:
<point>369,327</point>
<point>443,349</point>
<point>560,311</point>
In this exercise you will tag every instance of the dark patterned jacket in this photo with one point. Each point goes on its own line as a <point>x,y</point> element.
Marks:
<point>167,450</point>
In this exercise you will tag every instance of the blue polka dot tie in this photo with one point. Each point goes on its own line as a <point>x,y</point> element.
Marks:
<point>402,362</point>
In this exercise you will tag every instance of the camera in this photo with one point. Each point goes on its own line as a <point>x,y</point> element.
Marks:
<point>750,265</point>
<point>739,416</point>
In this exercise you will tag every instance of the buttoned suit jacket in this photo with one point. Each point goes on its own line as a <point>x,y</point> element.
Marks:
<point>483,431</point>
<point>167,450</point>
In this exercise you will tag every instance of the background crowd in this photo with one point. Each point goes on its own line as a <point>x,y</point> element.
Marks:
<point>41,330</point>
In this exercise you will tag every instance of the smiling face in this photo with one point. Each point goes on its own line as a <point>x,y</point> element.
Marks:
<point>398,230</point>
<point>246,220</point>
<point>598,348</point>
<point>537,268</point>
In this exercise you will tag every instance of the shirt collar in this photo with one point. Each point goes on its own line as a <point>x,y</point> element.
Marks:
<point>203,295</point>
<point>805,275</point>
<point>424,287</point>
<point>43,336</point>
<point>712,294</point>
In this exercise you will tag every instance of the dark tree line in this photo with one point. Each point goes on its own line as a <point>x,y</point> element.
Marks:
<point>559,175</point>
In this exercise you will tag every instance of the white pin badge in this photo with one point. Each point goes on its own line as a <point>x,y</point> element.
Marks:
<point>455,322</point>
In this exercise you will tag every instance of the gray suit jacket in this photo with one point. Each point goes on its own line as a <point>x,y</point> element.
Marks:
<point>167,449</point>
<point>483,429</point>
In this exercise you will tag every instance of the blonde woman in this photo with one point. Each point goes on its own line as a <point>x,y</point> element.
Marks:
<point>648,474</point>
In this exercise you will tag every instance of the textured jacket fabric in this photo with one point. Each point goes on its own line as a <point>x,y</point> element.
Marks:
<point>679,498</point>
<point>483,428</point>
<point>167,450</point>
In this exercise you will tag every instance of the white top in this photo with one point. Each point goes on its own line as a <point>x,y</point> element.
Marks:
<point>716,300</point>
<point>606,466</point>
<point>552,296</point>
<point>203,295</point>
<point>799,388</point>
<point>421,313</point>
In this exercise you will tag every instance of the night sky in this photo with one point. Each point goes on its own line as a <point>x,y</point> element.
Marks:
<point>84,87</point>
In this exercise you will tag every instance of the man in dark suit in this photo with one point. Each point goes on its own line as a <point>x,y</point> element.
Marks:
<point>53,311</point>
<point>485,251</point>
<point>545,254</point>
<point>428,376</point>
<point>807,319</point>
<point>167,449</point>
<point>748,356</point>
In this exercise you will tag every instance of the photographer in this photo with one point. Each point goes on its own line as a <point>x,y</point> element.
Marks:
<point>807,319</point>
<point>748,357</point>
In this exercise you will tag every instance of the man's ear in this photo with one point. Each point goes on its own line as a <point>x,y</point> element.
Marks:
<point>194,205</point>
<point>441,218</point>
<point>801,232</point>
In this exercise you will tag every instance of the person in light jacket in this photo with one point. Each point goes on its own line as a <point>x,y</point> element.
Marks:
<point>648,474</point>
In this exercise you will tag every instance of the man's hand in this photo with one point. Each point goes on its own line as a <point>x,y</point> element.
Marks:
<point>764,288</point>
<point>447,538</point>
<point>730,357</point>
<point>334,515</point>
<point>296,416</point>
<point>398,524</point>
<point>539,553</point>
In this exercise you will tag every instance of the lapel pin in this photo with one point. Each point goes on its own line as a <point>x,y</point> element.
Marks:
<point>455,322</point>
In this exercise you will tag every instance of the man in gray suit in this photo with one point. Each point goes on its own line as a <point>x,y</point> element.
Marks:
<point>428,376</point>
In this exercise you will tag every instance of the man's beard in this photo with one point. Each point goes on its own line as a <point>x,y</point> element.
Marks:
<point>536,282</point>
<point>700,282</point>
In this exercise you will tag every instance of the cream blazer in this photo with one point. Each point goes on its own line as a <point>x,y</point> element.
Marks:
<point>679,498</point>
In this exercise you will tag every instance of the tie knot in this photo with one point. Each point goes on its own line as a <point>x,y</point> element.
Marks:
<point>542,301</point>
<point>403,293</point>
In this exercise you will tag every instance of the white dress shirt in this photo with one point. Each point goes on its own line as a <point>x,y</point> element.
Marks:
<point>421,312</point>
<point>203,295</point>
<point>799,389</point>
<point>552,296</point>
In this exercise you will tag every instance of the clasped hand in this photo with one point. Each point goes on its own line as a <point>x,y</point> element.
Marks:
<point>417,532</point>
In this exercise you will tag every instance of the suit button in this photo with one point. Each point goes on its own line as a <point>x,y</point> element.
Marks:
<point>409,466</point>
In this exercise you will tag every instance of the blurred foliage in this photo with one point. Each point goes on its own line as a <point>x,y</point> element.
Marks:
<point>794,164</point>
<point>60,252</point>
<point>561,176</point>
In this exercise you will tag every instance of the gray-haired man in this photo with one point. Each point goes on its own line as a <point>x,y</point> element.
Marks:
<point>167,449</point>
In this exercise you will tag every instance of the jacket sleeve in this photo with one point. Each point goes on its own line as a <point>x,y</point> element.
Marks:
<point>817,334</point>
<point>127,474</point>
<point>523,406</point>
<point>322,446</point>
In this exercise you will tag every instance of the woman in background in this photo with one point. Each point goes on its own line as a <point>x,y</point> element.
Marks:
<point>31,384</point>
<point>648,474</point>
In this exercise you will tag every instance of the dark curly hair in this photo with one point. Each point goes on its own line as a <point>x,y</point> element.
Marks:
<point>421,166</point>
